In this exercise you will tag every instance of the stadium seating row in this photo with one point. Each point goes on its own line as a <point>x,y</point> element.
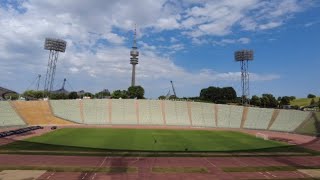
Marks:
<point>176,113</point>
<point>148,112</point>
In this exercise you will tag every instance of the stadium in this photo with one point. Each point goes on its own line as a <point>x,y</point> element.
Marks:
<point>212,121</point>
<point>123,138</point>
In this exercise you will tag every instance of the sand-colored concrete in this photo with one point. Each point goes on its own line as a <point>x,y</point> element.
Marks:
<point>20,174</point>
<point>38,113</point>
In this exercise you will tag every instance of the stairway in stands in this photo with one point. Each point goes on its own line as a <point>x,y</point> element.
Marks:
<point>37,113</point>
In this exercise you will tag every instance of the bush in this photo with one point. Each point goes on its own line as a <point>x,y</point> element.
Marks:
<point>311,96</point>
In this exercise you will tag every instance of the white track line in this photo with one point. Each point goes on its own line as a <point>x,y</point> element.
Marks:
<point>94,175</point>
<point>104,160</point>
<point>50,175</point>
<point>138,158</point>
<point>84,175</point>
<point>240,162</point>
<point>210,162</point>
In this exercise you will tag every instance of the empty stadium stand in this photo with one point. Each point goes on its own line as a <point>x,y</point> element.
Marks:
<point>202,114</point>
<point>155,112</point>
<point>8,116</point>
<point>96,111</point>
<point>229,116</point>
<point>258,118</point>
<point>289,120</point>
<point>124,111</point>
<point>67,109</point>
<point>150,112</point>
<point>176,113</point>
<point>37,113</point>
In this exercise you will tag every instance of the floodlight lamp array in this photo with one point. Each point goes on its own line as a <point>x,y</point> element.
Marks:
<point>55,44</point>
<point>243,55</point>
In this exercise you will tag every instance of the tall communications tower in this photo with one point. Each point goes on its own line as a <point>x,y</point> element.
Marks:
<point>54,46</point>
<point>134,53</point>
<point>244,56</point>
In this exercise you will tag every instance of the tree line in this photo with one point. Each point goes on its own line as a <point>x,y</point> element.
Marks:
<point>130,93</point>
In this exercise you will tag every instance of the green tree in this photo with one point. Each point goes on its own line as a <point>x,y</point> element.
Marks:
<point>103,94</point>
<point>285,100</point>
<point>119,94</point>
<point>73,95</point>
<point>116,94</point>
<point>255,100</point>
<point>311,96</point>
<point>218,95</point>
<point>292,98</point>
<point>269,101</point>
<point>319,103</point>
<point>312,102</point>
<point>229,94</point>
<point>58,96</point>
<point>172,97</point>
<point>279,98</point>
<point>12,96</point>
<point>162,97</point>
<point>32,94</point>
<point>136,92</point>
<point>264,101</point>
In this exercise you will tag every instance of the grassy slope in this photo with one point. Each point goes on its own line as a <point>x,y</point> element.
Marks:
<point>144,140</point>
<point>303,101</point>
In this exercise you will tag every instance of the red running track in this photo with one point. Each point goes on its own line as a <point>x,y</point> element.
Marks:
<point>144,165</point>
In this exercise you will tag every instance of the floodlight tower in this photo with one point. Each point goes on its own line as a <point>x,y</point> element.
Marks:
<point>38,82</point>
<point>244,56</point>
<point>134,58</point>
<point>54,46</point>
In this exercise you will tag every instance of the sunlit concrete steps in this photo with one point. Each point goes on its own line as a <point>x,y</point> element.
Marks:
<point>37,113</point>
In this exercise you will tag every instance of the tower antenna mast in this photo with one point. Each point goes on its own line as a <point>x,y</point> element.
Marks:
<point>134,53</point>
<point>38,82</point>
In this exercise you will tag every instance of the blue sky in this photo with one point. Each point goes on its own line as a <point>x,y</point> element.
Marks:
<point>189,42</point>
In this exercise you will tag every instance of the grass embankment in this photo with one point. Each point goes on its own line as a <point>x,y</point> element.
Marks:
<point>303,101</point>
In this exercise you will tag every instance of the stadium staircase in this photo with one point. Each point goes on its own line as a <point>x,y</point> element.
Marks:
<point>37,113</point>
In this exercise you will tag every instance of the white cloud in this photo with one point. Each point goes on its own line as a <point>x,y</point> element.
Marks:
<point>269,25</point>
<point>224,42</point>
<point>94,66</point>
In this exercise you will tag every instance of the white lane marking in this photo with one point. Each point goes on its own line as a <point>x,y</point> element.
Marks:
<point>94,176</point>
<point>138,158</point>
<point>50,175</point>
<point>240,162</point>
<point>104,160</point>
<point>210,162</point>
<point>84,175</point>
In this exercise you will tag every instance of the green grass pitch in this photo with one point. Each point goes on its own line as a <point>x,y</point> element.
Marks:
<point>144,140</point>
